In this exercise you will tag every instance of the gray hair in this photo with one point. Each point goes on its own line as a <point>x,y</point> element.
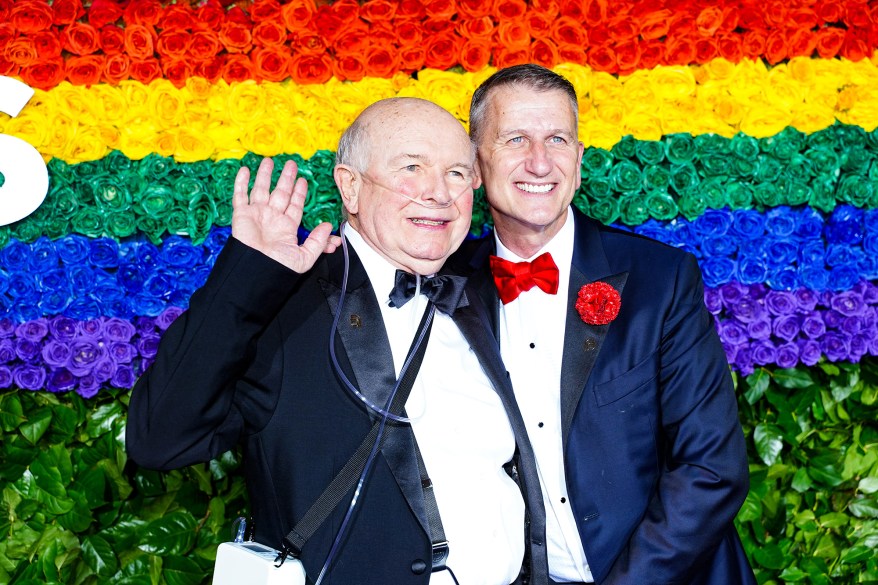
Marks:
<point>529,75</point>
<point>353,146</point>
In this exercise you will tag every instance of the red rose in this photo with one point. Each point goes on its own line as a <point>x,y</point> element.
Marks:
<point>598,303</point>
<point>8,67</point>
<point>567,31</point>
<point>380,62</point>
<point>595,12</point>
<point>411,9</point>
<point>21,51</point>
<point>805,18</point>
<point>473,28</point>
<point>112,39</point>
<point>311,69</point>
<point>103,12</point>
<point>731,17</point>
<point>139,41</point>
<point>145,70</point>
<point>270,63</point>
<point>238,16</point>
<point>442,51</point>
<point>116,68</point>
<point>505,57</point>
<point>776,47</point>
<point>383,35</point>
<point>412,58</point>
<point>508,9</point>
<point>377,11</point>
<point>802,43</point>
<point>730,47</point>
<point>652,54</point>
<point>475,54</point>
<point>513,35</point>
<point>627,55</point>
<point>346,10</point>
<point>655,25</point>
<point>297,14</point>
<point>349,67</point>
<point>177,16</point>
<point>705,50</point>
<point>544,52</point>
<point>309,44</point>
<point>7,33</point>
<point>147,12</point>
<point>829,41</point>
<point>173,43</point>
<point>538,23</point>
<point>177,71</point>
<point>572,54</point>
<point>753,43</point>
<point>353,40</point>
<point>235,38</point>
<point>623,29</point>
<point>210,15</point>
<point>856,16</point>
<point>829,11</point>
<point>80,38</point>
<point>409,33</point>
<point>327,24</point>
<point>774,12</point>
<point>598,36</point>
<point>548,7</point>
<point>237,68</point>
<point>204,45</point>
<point>262,10</point>
<point>437,26</point>
<point>750,17</point>
<point>47,42</point>
<point>440,9</point>
<point>210,69</point>
<point>854,48</point>
<point>472,9</point>
<point>29,16</point>
<point>602,58</point>
<point>85,70</point>
<point>709,20</point>
<point>43,74</point>
<point>680,50</point>
<point>67,11</point>
<point>269,33</point>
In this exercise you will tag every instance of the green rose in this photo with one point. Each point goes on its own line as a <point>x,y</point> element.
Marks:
<point>225,169</point>
<point>157,201</point>
<point>855,190</point>
<point>109,194</point>
<point>597,187</point>
<point>322,212</point>
<point>661,205</point>
<point>692,204</point>
<point>872,139</point>
<point>715,164</point>
<point>605,210</point>
<point>794,192</point>
<point>826,139</point>
<point>656,178</point>
<point>322,161</point>
<point>155,168</point>
<point>47,222</point>
<point>785,144</point>
<point>683,178</point>
<point>580,201</point>
<point>62,200</point>
<point>744,146</point>
<point>596,162</point>
<point>798,168</point>
<point>625,149</point>
<point>481,218</point>
<point>122,224</point>
<point>650,152</point>
<point>742,167</point>
<point>739,195</point>
<point>176,222</point>
<point>634,210</point>
<point>115,163</point>
<point>824,161</point>
<point>823,195</point>
<point>186,188</point>
<point>768,169</point>
<point>25,230</point>
<point>680,148</point>
<point>200,169</point>
<point>626,177</point>
<point>4,235</point>
<point>153,228</point>
<point>714,191</point>
<point>767,195</point>
<point>88,221</point>
<point>856,159</point>
<point>60,172</point>
<point>201,216</point>
<point>223,212</point>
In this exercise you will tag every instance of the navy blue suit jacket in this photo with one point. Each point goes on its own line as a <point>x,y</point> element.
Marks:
<point>655,458</point>
<point>248,365</point>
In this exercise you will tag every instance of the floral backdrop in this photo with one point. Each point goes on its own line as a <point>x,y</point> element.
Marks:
<point>743,132</point>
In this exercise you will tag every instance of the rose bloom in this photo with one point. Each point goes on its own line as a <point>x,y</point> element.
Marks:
<point>173,43</point>
<point>572,54</point>
<point>102,12</point>
<point>412,58</point>
<point>269,33</point>
<point>44,74</point>
<point>538,23</point>
<point>543,52</point>
<point>475,54</point>
<point>801,43</point>
<point>116,68</point>
<point>602,58</point>
<point>262,10</point>
<point>829,41</point>
<point>754,42</point>
<point>29,16</point>
<point>145,70</point>
<point>513,35</point>
<point>409,33</point>
<point>67,11</point>
<point>147,12</point>
<point>297,14</point>
<point>377,11</point>
<point>380,62</point>
<point>440,9</point>
<point>85,70</point>
<point>655,25</point>
<point>139,41</point>
<point>204,45</point>
<point>21,51</point>
<point>235,38</point>
<point>509,9</point>
<point>80,38</point>
<point>472,9</point>
<point>349,67</point>
<point>236,68</point>
<point>442,50</point>
<point>310,68</point>
<point>177,17</point>
<point>177,70</point>
<point>270,63</point>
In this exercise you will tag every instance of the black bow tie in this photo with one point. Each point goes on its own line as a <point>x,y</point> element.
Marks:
<point>445,291</point>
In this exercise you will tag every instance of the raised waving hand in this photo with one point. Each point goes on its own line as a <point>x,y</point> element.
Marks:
<point>268,220</point>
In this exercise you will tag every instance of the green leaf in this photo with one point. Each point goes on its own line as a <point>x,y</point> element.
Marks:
<point>868,485</point>
<point>182,571</point>
<point>11,412</point>
<point>864,507</point>
<point>770,556</point>
<point>793,378</point>
<point>833,520</point>
<point>801,481</point>
<point>793,574</point>
<point>757,383</point>
<point>769,442</point>
<point>855,554</point>
<point>37,424</point>
<point>102,419</point>
<point>99,556</point>
<point>173,534</point>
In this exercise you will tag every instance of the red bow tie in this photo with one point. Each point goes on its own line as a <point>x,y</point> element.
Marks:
<point>513,278</point>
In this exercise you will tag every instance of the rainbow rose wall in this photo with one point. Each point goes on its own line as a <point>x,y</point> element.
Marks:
<point>743,132</point>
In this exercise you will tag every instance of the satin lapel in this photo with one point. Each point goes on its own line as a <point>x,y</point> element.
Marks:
<point>364,340</point>
<point>481,281</point>
<point>582,342</point>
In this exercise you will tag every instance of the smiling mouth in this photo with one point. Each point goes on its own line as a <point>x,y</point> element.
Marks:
<point>430,222</point>
<point>538,189</point>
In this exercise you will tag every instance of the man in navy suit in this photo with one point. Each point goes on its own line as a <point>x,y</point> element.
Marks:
<point>249,365</point>
<point>616,366</point>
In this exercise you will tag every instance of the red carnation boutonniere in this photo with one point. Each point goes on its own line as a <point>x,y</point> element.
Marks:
<point>598,303</point>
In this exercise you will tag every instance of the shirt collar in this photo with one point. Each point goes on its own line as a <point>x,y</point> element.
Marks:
<point>560,247</point>
<point>381,273</point>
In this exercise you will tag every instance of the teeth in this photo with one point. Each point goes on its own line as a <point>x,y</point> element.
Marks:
<point>534,188</point>
<point>428,222</point>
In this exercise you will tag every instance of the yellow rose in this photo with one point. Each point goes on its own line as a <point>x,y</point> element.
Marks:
<point>599,134</point>
<point>166,143</point>
<point>638,89</point>
<point>192,146</point>
<point>33,126</point>
<point>782,91</point>
<point>263,137</point>
<point>718,69</point>
<point>110,136</point>
<point>75,101</point>
<point>748,79</point>
<point>138,139</point>
<point>864,112</point>
<point>197,88</point>
<point>802,69</point>
<point>604,88</point>
<point>299,138</point>
<point>642,125</point>
<point>765,121</point>
<point>579,76</point>
<point>611,112</point>
<point>811,118</point>
<point>87,146</point>
<point>673,83</point>
<point>245,103</point>
<point>166,104</point>
<point>111,103</point>
<point>62,130</point>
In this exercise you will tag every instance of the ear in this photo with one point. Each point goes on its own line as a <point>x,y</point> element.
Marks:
<point>579,175</point>
<point>349,182</point>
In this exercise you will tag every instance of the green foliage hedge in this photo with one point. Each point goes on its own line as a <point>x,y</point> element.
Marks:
<point>76,512</point>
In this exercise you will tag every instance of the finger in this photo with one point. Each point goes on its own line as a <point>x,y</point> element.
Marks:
<point>317,241</point>
<point>332,244</point>
<point>280,197</point>
<point>296,203</point>
<point>242,180</point>
<point>262,184</point>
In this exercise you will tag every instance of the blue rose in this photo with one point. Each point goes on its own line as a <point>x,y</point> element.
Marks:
<point>845,226</point>
<point>124,377</point>
<point>714,222</point>
<point>786,278</point>
<point>72,249</point>
<point>754,248</point>
<point>719,246</point>
<point>815,278</point>
<point>81,278</point>
<point>159,284</point>
<point>131,276</point>
<point>764,352</point>
<point>120,307</point>
<point>84,307</point>
<point>780,222</point>
<point>813,254</point>
<point>842,255</point>
<point>180,253</point>
<point>752,270</point>
<point>843,277</point>
<point>43,255</point>
<point>15,256</point>
<point>717,270</point>
<point>654,230</point>
<point>216,239</point>
<point>780,252</point>
<point>103,253</point>
<point>147,305</point>
<point>54,279</point>
<point>147,255</point>
<point>748,224</point>
<point>809,224</point>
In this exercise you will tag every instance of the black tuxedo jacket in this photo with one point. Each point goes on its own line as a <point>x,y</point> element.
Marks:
<point>248,364</point>
<point>655,458</point>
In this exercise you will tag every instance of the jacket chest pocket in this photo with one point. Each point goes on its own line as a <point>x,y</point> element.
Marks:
<point>638,379</point>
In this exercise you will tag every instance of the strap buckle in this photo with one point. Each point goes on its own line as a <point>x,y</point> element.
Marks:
<point>440,555</point>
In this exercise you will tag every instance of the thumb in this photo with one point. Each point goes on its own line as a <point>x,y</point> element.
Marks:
<point>317,240</point>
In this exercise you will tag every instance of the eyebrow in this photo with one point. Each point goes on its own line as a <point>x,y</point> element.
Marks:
<point>552,132</point>
<point>423,158</point>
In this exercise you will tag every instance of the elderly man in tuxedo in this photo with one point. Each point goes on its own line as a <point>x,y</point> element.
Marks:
<point>616,366</point>
<point>249,364</point>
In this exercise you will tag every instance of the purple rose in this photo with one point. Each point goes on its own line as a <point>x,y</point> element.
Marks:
<point>148,345</point>
<point>26,350</point>
<point>748,310</point>
<point>788,355</point>
<point>33,330</point>
<point>88,386</point>
<point>56,353</point>
<point>813,325</point>
<point>5,377</point>
<point>832,319</point>
<point>7,351</point>
<point>731,293</point>
<point>848,303</point>
<point>859,347</point>
<point>168,316</point>
<point>805,299</point>
<point>787,327</point>
<point>144,325</point>
<point>835,347</point>
<point>29,376</point>
<point>7,328</point>
<point>851,325</point>
<point>809,351</point>
<point>62,328</point>
<point>118,330</point>
<point>764,352</point>
<point>744,360</point>
<point>121,352</point>
<point>103,369</point>
<point>85,353</point>
<point>864,287</point>
<point>89,328</point>
<point>124,377</point>
<point>60,380</point>
<point>780,303</point>
<point>759,329</point>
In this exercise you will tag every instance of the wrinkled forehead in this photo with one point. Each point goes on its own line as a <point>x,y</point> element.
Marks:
<point>411,140</point>
<point>520,105</point>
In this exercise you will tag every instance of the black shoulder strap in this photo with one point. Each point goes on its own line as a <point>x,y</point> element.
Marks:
<point>347,477</point>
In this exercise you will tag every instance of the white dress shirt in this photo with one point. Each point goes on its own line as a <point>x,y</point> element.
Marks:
<point>463,434</point>
<point>532,345</point>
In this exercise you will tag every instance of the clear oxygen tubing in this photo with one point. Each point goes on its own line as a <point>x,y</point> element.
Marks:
<point>385,414</point>
<point>452,197</point>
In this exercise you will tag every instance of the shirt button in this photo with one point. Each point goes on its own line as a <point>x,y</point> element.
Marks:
<point>563,500</point>
<point>540,425</point>
<point>532,345</point>
<point>418,566</point>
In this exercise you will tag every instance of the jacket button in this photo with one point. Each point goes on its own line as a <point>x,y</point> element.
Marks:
<point>418,566</point>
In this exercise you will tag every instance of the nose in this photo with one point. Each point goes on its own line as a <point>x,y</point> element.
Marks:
<point>538,162</point>
<point>437,191</point>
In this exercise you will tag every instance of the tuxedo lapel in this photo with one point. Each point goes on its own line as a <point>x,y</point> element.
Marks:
<point>582,342</point>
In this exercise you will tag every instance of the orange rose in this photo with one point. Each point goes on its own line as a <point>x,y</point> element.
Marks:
<point>377,11</point>
<point>8,67</point>
<point>270,63</point>
<point>776,47</point>
<point>409,32</point>
<point>475,54</point>
<point>235,37</point>
<point>145,70</point>
<point>598,36</point>
<point>43,74</point>
<point>297,14</point>
<point>210,69</point>
<point>352,40</point>
<point>440,9</point>
<point>7,33</point>
<point>85,70</point>
<point>116,68</point>
<point>709,20</point>
<point>473,9</point>
<point>505,57</point>
<point>346,10</point>
<point>412,58</point>
<point>442,51</point>
<point>572,54</point>
<point>262,10</point>
<point>508,9</point>
<point>538,23</point>
<point>854,48</point>
<point>80,38</point>
<point>413,9</point>
<point>595,12</point>
<point>173,43</point>
<point>753,44</point>
<point>269,33</point>
<point>623,29</point>
<point>139,41</point>
<point>802,42</point>
<point>705,50</point>
<point>627,55</point>
<point>655,25</point>
<point>349,67</point>
<point>237,68</point>
<point>146,12</point>
<point>652,54</point>
<point>328,25</point>
<point>730,47</point>
<point>309,44</point>
<point>30,16</point>
<point>67,11</point>
<point>680,50</point>
<point>177,71</point>
<point>112,39</point>
<point>47,43</point>
<point>857,15</point>
<point>311,68</point>
<point>209,15</point>
<point>21,51</point>
<point>548,7</point>
<point>773,12</point>
<point>829,11</point>
<point>383,34</point>
<point>437,26</point>
<point>204,45</point>
<point>380,62</point>
<point>566,31</point>
<point>829,41</point>
<point>176,17</point>
<point>602,58</point>
<point>473,28</point>
<point>513,35</point>
<point>543,52</point>
<point>102,12</point>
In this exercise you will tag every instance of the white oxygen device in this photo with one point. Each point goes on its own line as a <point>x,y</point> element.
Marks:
<point>251,563</point>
